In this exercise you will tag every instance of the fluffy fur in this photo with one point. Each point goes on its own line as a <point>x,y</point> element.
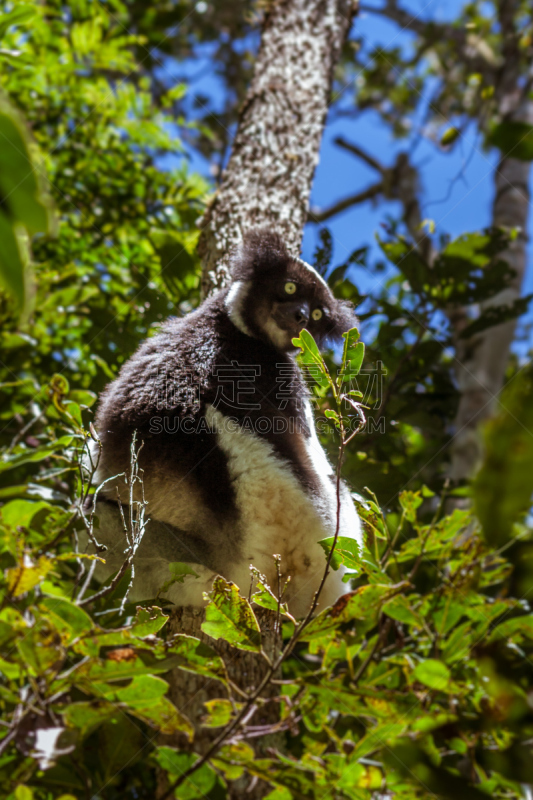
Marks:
<point>233,470</point>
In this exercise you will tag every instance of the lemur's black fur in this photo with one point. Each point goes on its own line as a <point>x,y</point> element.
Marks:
<point>234,355</point>
<point>193,361</point>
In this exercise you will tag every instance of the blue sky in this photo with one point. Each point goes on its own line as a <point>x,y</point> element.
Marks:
<point>457,205</point>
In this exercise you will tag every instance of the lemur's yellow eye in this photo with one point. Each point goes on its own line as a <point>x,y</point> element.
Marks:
<point>316,314</point>
<point>290,287</point>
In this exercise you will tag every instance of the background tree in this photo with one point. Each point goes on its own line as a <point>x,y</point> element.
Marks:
<point>267,182</point>
<point>479,71</point>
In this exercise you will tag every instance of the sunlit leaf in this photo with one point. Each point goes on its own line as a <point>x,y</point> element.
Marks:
<point>362,604</point>
<point>219,713</point>
<point>432,673</point>
<point>68,618</point>
<point>410,501</point>
<point>311,359</point>
<point>347,552</point>
<point>148,621</point>
<point>449,136</point>
<point>32,454</point>
<point>28,574</point>
<point>229,616</point>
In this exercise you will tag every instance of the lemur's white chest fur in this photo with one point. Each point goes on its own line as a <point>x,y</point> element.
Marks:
<point>277,515</point>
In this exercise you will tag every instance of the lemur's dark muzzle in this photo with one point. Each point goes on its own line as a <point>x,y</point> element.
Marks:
<point>292,315</point>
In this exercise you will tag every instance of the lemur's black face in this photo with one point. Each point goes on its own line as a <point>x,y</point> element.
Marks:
<point>274,296</point>
<point>285,305</point>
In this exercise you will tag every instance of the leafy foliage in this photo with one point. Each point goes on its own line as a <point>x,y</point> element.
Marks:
<point>502,489</point>
<point>24,204</point>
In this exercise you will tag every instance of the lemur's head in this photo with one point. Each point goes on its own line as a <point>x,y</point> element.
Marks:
<point>274,295</point>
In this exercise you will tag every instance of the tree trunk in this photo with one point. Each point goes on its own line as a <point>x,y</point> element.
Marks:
<point>268,177</point>
<point>189,692</point>
<point>482,359</point>
<point>267,182</point>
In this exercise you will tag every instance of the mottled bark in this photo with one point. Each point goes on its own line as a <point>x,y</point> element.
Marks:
<point>268,177</point>
<point>482,359</point>
<point>189,692</point>
<point>267,182</point>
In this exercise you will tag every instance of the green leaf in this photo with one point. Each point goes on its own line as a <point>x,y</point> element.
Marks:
<point>142,690</point>
<point>83,397</point>
<point>264,596</point>
<point>33,454</point>
<point>179,571</point>
<point>176,262</point>
<point>219,712</point>
<point>195,656</point>
<point>504,485</point>
<point>437,540</point>
<point>97,670</point>
<point>362,604</point>
<point>202,783</point>
<point>496,315</point>
<point>229,616</point>
<point>232,758</point>
<point>144,699</point>
<point>148,621</point>
<point>410,501</point>
<point>279,793</point>
<point>39,650</point>
<point>19,513</point>
<point>23,793</point>
<point>352,356</point>
<point>18,180</point>
<point>514,139</point>
<point>27,574</point>
<point>295,776</point>
<point>399,608</point>
<point>432,673</point>
<point>383,733</point>
<point>12,269</point>
<point>67,618</point>
<point>17,16</point>
<point>409,262</point>
<point>311,359</point>
<point>449,136</point>
<point>347,552</point>
<point>87,716</point>
<point>330,414</point>
<point>23,202</point>
<point>518,629</point>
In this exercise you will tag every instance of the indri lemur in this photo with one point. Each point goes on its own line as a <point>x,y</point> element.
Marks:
<point>233,469</point>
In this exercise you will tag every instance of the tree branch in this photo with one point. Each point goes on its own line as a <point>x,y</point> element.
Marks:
<point>362,154</point>
<point>426,28</point>
<point>348,202</point>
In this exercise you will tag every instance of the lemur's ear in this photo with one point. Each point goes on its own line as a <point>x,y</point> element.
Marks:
<point>342,317</point>
<point>261,251</point>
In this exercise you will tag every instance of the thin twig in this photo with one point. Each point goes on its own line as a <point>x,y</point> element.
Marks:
<point>133,533</point>
<point>23,431</point>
